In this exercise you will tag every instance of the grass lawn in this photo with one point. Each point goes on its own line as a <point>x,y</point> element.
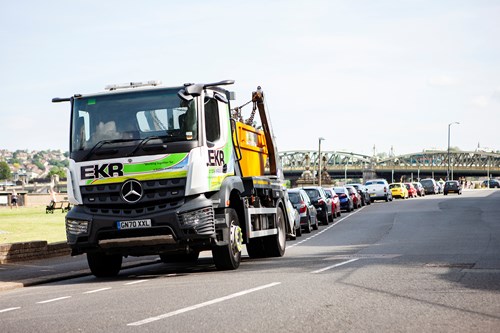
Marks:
<point>26,224</point>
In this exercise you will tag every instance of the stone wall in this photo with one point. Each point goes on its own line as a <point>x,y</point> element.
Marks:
<point>31,251</point>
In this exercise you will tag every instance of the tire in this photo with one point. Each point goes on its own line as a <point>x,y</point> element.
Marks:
<point>349,208</point>
<point>308,228</point>
<point>275,245</point>
<point>104,265</point>
<point>191,257</point>
<point>255,248</point>
<point>327,218</point>
<point>298,231</point>
<point>228,256</point>
<point>331,217</point>
<point>386,198</point>
<point>316,225</point>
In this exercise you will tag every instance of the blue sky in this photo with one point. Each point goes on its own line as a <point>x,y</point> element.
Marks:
<point>358,73</point>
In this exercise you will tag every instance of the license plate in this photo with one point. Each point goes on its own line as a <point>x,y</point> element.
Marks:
<point>134,224</point>
<point>372,194</point>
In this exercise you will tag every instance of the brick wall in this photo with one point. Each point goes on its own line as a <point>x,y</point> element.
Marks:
<point>31,251</point>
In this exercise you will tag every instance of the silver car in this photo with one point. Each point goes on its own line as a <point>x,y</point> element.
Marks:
<point>379,189</point>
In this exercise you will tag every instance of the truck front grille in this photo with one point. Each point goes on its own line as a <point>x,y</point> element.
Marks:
<point>157,195</point>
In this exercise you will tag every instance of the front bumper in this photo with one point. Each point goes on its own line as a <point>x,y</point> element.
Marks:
<point>193,224</point>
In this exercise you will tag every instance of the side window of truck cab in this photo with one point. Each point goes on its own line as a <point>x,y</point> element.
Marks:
<point>212,120</point>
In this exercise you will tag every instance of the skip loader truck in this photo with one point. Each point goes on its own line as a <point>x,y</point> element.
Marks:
<point>173,171</point>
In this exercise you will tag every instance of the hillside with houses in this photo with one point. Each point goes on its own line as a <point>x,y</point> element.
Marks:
<point>31,167</point>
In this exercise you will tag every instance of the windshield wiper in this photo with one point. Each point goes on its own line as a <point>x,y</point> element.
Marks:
<point>146,140</point>
<point>102,143</point>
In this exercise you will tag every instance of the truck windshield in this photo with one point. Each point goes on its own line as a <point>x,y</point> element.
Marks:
<point>132,118</point>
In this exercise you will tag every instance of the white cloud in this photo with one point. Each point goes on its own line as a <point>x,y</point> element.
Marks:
<point>481,101</point>
<point>496,94</point>
<point>442,80</point>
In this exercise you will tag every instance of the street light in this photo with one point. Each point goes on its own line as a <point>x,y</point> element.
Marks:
<point>448,171</point>
<point>319,157</point>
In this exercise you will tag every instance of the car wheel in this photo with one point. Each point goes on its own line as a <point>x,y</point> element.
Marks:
<point>298,231</point>
<point>332,215</point>
<point>307,230</point>
<point>315,225</point>
<point>386,198</point>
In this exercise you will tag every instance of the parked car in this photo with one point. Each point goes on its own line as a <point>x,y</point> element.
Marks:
<point>440,186</point>
<point>430,186</point>
<point>330,192</point>
<point>363,192</point>
<point>420,189</point>
<point>321,202</point>
<point>412,191</point>
<point>452,186</point>
<point>378,189</point>
<point>293,215</point>
<point>345,198</point>
<point>356,198</point>
<point>308,216</point>
<point>399,190</point>
<point>492,182</point>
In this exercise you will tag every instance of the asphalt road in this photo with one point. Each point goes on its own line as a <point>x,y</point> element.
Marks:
<point>420,265</point>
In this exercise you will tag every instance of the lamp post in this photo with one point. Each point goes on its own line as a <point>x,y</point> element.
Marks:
<point>448,170</point>
<point>319,158</point>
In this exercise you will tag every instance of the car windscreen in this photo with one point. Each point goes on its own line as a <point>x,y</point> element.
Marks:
<point>294,197</point>
<point>313,194</point>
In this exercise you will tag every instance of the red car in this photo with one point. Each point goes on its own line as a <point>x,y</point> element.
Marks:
<point>356,198</point>
<point>335,200</point>
<point>412,191</point>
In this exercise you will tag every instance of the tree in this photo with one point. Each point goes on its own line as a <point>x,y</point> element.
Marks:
<point>57,171</point>
<point>4,170</point>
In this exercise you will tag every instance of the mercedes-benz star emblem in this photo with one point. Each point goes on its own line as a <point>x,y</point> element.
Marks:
<point>131,191</point>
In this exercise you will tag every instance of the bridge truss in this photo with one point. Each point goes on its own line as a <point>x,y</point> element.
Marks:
<point>464,162</point>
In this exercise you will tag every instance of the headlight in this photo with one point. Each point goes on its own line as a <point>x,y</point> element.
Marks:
<point>77,227</point>
<point>197,217</point>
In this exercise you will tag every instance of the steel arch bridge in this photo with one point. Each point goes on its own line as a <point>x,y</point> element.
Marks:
<point>428,163</point>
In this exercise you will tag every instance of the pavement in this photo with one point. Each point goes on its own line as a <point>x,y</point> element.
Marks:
<point>34,272</point>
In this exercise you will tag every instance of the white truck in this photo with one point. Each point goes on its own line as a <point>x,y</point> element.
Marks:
<point>173,171</point>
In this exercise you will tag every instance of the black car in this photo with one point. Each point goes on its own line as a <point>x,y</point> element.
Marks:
<point>452,186</point>
<point>322,203</point>
<point>493,183</point>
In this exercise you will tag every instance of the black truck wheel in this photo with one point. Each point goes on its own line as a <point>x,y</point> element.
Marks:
<point>275,244</point>
<point>104,265</point>
<point>228,256</point>
<point>255,248</point>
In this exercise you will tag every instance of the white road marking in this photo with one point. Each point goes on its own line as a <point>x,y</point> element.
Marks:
<point>197,306</point>
<point>333,266</point>
<point>134,282</point>
<point>322,231</point>
<point>54,300</point>
<point>10,309</point>
<point>97,290</point>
